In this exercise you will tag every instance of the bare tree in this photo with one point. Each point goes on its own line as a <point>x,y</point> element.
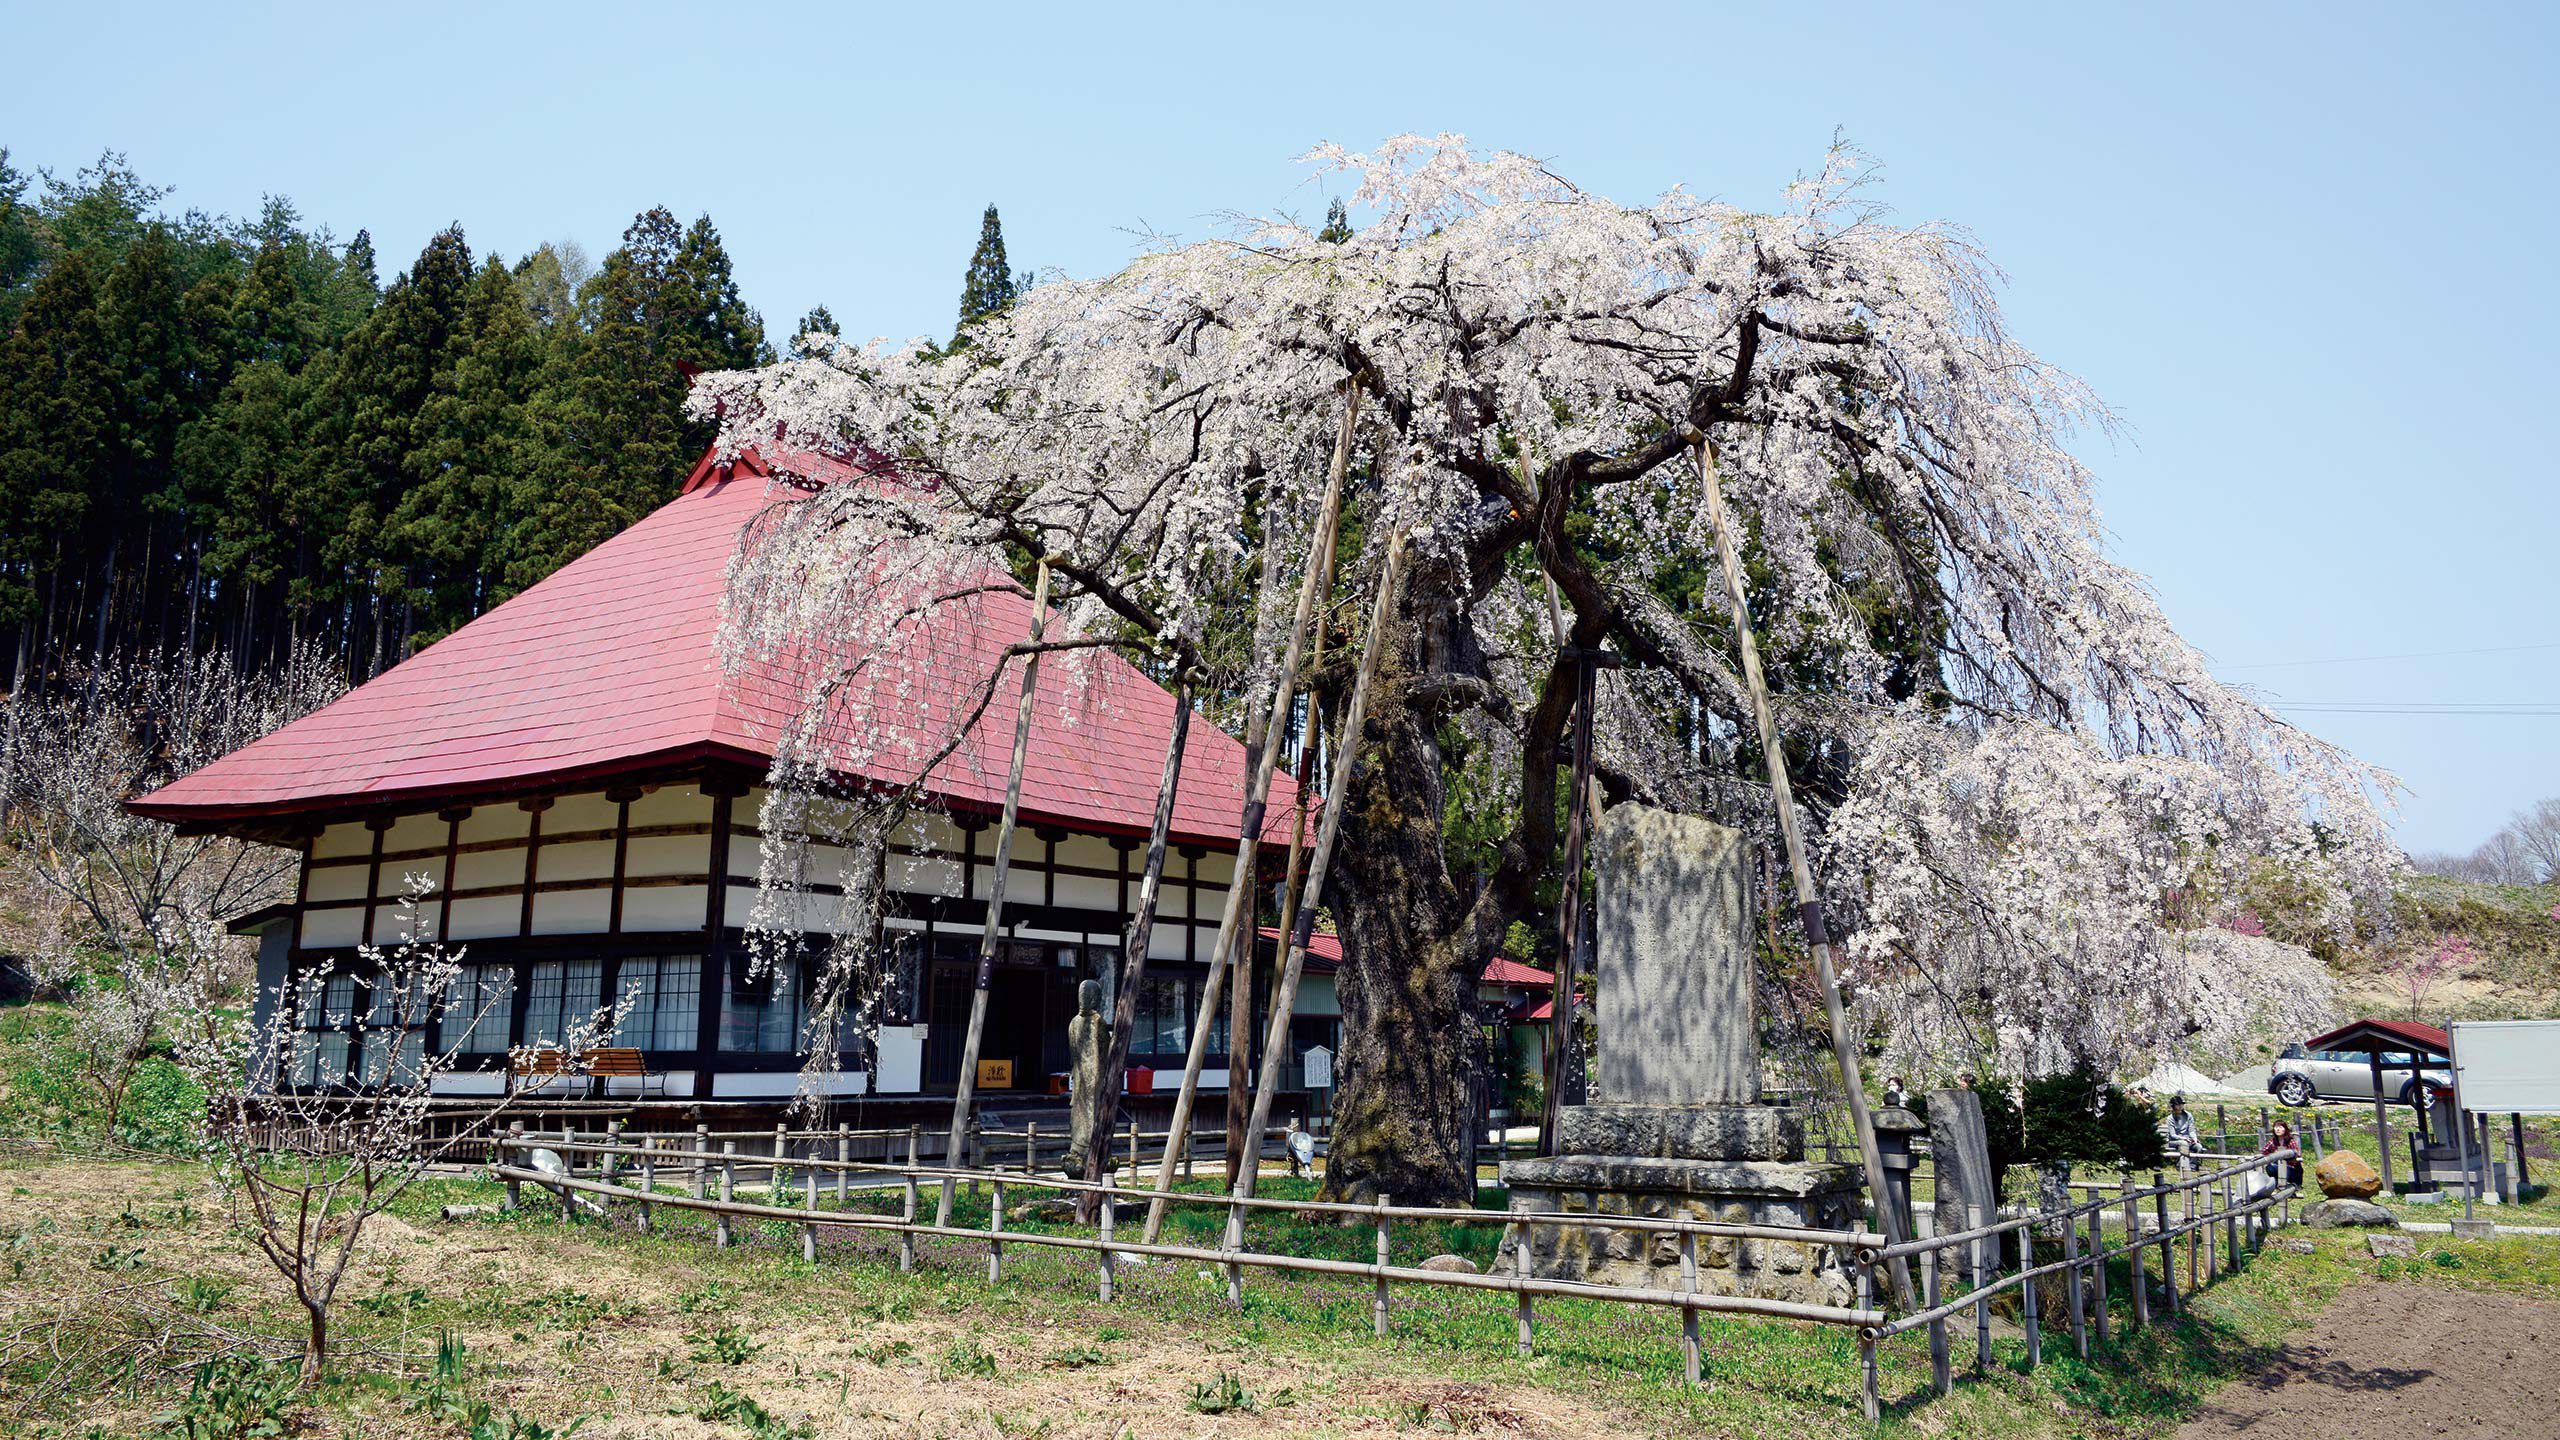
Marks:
<point>2536,835</point>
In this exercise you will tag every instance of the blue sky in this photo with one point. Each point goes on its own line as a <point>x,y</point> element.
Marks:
<point>2303,251</point>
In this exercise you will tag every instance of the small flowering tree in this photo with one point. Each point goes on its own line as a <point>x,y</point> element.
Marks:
<point>306,1169</point>
<point>2007,753</point>
<point>2419,970</point>
<point>125,913</point>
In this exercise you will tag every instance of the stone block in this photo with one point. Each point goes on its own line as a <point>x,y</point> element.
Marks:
<point>1961,1148</point>
<point>1682,1132</point>
<point>2332,1214</point>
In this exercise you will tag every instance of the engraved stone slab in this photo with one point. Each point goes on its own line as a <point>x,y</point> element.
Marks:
<point>1675,985</point>
<point>1961,1149</point>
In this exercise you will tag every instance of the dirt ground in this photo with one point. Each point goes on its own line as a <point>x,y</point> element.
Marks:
<point>2394,1358</point>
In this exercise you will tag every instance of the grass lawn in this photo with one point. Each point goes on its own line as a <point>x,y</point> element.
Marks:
<point>120,1274</point>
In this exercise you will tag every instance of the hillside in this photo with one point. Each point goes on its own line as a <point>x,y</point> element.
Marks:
<point>2501,949</point>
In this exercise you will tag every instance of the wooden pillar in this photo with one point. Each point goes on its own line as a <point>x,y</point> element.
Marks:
<point>2381,1120</point>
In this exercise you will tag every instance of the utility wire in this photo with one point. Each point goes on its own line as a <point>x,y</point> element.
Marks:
<point>2411,655</point>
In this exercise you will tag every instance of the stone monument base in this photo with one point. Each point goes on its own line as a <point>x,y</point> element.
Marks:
<point>1792,1193</point>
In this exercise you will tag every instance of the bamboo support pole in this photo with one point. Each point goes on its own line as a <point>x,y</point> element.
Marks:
<point>809,1202</point>
<point>2168,1244</point>
<point>995,1231</point>
<point>1981,1292</point>
<point>967,1094</point>
<point>1528,1317</point>
<point>1870,1401</point>
<point>2027,1296</point>
<point>1102,1232</point>
<point>1808,899</point>
<point>648,1177</point>
<point>2075,1295</point>
<point>1284,991</point>
<point>1249,837</point>
<point>844,1177</point>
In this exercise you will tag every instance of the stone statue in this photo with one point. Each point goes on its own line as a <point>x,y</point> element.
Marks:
<point>1087,1034</point>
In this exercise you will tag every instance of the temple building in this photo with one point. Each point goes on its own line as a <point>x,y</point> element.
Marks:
<point>574,787</point>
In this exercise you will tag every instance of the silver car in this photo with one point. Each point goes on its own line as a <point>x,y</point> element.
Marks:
<point>2300,1076</point>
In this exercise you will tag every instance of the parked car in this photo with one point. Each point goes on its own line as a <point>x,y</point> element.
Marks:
<point>2300,1076</point>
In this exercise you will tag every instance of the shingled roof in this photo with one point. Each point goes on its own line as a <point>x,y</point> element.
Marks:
<point>608,669</point>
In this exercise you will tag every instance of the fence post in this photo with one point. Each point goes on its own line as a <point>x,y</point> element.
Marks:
<point>2231,1189</point>
<point>2168,1244</point>
<point>701,1147</point>
<point>844,1157</point>
<point>1981,1301</point>
<point>1136,1166</point>
<point>2073,1291</point>
<point>2133,1248</point>
<point>1519,1287</point>
<point>1941,1373</point>
<point>728,1186</point>
<point>1689,1359</point>
<point>809,1203</point>
<point>1869,1401</point>
<point>1378,1301</point>
<point>1232,1241</point>
<point>512,1149</point>
<point>2098,1259</point>
<point>648,1177</point>
<point>775,1186</point>
<point>995,1229</point>
<point>2027,1294</point>
<point>907,1214</point>
<point>1104,1234</point>
<point>612,1157</point>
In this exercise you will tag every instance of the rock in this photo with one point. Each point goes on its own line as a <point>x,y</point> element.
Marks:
<point>2332,1214</point>
<point>2470,1229</point>
<point>1452,1264</point>
<point>1057,1209</point>
<point>2398,1245</point>
<point>2303,1247</point>
<point>2346,1176</point>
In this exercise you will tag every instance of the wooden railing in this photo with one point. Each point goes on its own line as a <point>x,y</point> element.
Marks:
<point>1960,1271</point>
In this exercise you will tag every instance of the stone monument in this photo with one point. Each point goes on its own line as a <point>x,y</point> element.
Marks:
<point>1680,1129</point>
<point>1086,1036</point>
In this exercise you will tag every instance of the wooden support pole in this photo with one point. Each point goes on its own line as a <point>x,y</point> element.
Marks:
<point>1284,991</point>
<point>1249,837</point>
<point>1134,944</point>
<point>1808,898</point>
<point>990,933</point>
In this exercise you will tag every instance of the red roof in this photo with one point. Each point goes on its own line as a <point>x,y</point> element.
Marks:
<point>1324,951</point>
<point>1506,971</point>
<point>2401,1034</point>
<point>609,667</point>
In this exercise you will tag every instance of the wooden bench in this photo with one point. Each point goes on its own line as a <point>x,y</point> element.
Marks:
<point>621,1062</point>
<point>595,1066</point>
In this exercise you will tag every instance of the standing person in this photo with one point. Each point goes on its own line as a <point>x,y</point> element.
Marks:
<point>2179,1130</point>
<point>1895,1093</point>
<point>2279,1141</point>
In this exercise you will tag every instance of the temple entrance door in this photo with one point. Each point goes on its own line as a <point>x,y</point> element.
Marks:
<point>1015,1009</point>
<point>949,1016</point>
